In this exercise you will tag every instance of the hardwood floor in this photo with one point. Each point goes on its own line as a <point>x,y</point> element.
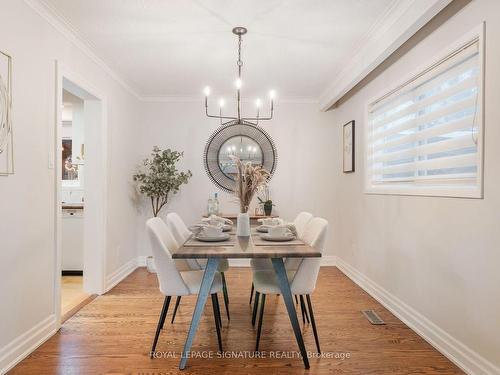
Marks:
<point>73,298</point>
<point>113,334</point>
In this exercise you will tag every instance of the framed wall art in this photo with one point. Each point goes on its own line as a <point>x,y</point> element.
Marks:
<point>348,147</point>
<point>6,136</point>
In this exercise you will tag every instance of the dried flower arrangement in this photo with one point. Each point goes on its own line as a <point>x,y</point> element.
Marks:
<point>248,180</point>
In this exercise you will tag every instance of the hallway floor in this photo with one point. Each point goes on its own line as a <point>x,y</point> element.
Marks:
<point>72,294</point>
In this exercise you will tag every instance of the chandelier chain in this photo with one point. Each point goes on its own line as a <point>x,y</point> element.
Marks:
<point>240,63</point>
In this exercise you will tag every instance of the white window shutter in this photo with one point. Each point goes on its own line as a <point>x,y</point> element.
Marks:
<point>425,136</point>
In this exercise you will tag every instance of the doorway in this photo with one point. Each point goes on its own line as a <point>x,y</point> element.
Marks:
<point>80,193</point>
<point>73,203</point>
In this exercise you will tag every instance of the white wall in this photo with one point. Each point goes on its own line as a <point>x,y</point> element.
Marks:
<point>303,179</point>
<point>27,245</point>
<point>440,256</point>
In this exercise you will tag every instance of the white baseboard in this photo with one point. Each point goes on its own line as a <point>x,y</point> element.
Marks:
<point>141,261</point>
<point>14,352</point>
<point>328,261</point>
<point>239,262</point>
<point>457,352</point>
<point>122,272</point>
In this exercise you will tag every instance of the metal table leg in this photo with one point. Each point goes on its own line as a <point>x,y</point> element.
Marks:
<point>279,268</point>
<point>206,285</point>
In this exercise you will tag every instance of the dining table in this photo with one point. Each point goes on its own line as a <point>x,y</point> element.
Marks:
<point>240,248</point>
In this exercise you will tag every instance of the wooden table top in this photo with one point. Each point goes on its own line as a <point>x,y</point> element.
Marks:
<point>244,247</point>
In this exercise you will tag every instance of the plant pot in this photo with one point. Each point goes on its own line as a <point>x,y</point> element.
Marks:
<point>268,208</point>
<point>243,225</point>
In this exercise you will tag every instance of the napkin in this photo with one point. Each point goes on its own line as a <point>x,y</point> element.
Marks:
<point>289,226</point>
<point>218,218</point>
<point>276,221</point>
<point>198,228</point>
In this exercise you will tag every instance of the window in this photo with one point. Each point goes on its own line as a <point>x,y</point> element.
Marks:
<point>425,136</point>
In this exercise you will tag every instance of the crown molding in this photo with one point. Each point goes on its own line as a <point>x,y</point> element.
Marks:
<point>74,36</point>
<point>402,19</point>
<point>201,98</point>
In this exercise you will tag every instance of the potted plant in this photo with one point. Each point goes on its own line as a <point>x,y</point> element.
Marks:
<point>249,179</point>
<point>157,179</point>
<point>265,200</point>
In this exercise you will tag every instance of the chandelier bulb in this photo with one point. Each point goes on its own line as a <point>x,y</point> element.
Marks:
<point>206,90</point>
<point>238,83</point>
<point>258,103</point>
<point>222,102</point>
<point>272,94</point>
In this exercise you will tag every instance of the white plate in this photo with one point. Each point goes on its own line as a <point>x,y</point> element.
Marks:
<point>287,237</point>
<point>204,238</point>
<point>262,229</point>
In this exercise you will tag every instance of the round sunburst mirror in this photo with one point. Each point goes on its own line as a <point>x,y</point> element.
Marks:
<point>244,140</point>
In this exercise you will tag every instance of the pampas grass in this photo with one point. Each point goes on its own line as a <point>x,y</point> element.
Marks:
<point>248,180</point>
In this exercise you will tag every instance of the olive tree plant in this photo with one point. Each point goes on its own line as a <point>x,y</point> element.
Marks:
<point>159,177</point>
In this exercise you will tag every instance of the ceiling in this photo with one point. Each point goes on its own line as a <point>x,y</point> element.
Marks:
<point>174,48</point>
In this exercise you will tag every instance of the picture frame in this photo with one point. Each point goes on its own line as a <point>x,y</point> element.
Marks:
<point>6,133</point>
<point>348,147</point>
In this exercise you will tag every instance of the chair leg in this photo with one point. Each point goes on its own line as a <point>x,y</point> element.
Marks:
<point>161,320</point>
<point>255,305</point>
<point>296,300</point>
<point>165,313</point>
<point>260,322</point>
<point>304,309</point>
<point>218,310</point>
<point>177,301</point>
<point>313,322</point>
<point>215,302</point>
<point>224,287</point>
<point>226,295</point>
<point>251,295</point>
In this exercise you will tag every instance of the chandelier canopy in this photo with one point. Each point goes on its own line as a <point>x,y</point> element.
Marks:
<point>239,32</point>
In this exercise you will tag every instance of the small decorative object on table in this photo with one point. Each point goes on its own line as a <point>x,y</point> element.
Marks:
<point>265,200</point>
<point>249,178</point>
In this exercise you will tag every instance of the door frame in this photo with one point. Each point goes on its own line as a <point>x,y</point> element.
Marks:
<point>94,245</point>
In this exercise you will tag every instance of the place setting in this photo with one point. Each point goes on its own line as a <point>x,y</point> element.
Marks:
<point>273,231</point>
<point>213,229</point>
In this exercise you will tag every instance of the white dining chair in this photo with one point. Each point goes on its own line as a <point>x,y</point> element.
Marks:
<point>300,222</point>
<point>174,282</point>
<point>182,233</point>
<point>302,281</point>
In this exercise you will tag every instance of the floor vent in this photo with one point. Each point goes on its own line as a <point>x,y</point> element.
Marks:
<point>372,317</point>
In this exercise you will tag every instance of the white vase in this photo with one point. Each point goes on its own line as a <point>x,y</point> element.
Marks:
<point>243,225</point>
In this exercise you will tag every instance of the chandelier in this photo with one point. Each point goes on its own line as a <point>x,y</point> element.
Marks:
<point>239,32</point>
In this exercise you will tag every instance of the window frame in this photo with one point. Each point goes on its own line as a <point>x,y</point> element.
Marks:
<point>426,188</point>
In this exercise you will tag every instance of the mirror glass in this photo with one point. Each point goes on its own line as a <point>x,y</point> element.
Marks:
<point>243,147</point>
